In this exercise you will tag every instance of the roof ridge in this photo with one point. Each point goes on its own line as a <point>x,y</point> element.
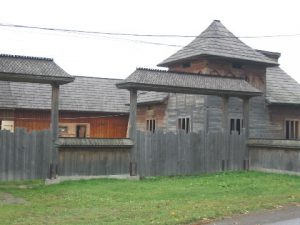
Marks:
<point>26,57</point>
<point>193,74</point>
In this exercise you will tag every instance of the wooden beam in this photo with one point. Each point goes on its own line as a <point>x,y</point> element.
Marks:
<point>225,113</point>
<point>225,157</point>
<point>133,133</point>
<point>54,128</point>
<point>246,110</point>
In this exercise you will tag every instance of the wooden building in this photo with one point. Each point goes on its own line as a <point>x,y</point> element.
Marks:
<point>89,107</point>
<point>217,52</point>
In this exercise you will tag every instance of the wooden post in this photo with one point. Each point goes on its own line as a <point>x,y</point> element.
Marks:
<point>225,113</point>
<point>54,128</point>
<point>133,133</point>
<point>225,160</point>
<point>246,109</point>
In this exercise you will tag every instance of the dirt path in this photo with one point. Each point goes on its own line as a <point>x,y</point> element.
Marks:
<point>7,199</point>
<point>287,215</point>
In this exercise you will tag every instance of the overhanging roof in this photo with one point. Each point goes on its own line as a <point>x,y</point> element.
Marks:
<point>85,94</point>
<point>164,81</point>
<point>32,69</point>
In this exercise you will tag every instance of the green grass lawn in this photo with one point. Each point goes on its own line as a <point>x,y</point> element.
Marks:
<point>163,200</point>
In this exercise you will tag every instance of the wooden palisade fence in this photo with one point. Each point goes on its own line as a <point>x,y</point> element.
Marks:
<point>25,155</point>
<point>190,153</point>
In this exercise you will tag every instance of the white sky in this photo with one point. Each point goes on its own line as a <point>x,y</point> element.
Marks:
<point>114,58</point>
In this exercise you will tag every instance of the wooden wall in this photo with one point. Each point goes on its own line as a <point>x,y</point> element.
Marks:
<point>102,125</point>
<point>182,105</point>
<point>93,161</point>
<point>154,111</point>
<point>255,74</point>
<point>260,124</point>
<point>278,115</point>
<point>275,155</point>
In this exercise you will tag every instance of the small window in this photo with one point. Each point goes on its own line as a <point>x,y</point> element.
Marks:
<point>236,125</point>
<point>292,129</point>
<point>237,65</point>
<point>184,124</point>
<point>186,65</point>
<point>150,125</point>
<point>63,130</point>
<point>7,125</point>
<point>80,131</point>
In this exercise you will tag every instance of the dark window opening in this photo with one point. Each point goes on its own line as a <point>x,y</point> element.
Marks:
<point>292,129</point>
<point>186,65</point>
<point>237,65</point>
<point>184,124</point>
<point>81,131</point>
<point>236,125</point>
<point>151,125</point>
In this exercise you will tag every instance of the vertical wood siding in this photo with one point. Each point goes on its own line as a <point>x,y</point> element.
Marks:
<point>193,153</point>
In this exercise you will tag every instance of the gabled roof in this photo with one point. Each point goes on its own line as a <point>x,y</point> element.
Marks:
<point>84,94</point>
<point>218,41</point>
<point>165,81</point>
<point>32,69</point>
<point>281,88</point>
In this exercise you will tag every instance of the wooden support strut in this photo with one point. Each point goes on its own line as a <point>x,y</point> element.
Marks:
<point>246,110</point>
<point>54,129</point>
<point>132,133</point>
<point>225,158</point>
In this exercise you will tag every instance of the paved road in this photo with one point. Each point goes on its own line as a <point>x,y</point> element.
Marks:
<point>286,222</point>
<point>288,215</point>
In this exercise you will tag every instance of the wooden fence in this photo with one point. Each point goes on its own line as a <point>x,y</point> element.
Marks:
<point>193,153</point>
<point>281,156</point>
<point>25,155</point>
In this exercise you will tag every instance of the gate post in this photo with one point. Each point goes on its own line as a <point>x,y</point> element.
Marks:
<point>54,129</point>
<point>246,109</point>
<point>225,161</point>
<point>132,133</point>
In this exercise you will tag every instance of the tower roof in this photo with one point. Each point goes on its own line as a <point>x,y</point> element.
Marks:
<point>218,41</point>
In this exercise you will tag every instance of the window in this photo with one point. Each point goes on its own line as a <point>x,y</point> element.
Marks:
<point>63,130</point>
<point>292,129</point>
<point>150,125</point>
<point>7,125</point>
<point>184,124</point>
<point>236,125</point>
<point>81,131</point>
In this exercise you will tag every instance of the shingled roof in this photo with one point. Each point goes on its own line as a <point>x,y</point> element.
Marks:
<point>32,69</point>
<point>281,88</point>
<point>218,41</point>
<point>165,81</point>
<point>151,97</point>
<point>84,94</point>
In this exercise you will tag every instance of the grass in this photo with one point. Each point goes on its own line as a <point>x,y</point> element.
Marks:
<point>162,200</point>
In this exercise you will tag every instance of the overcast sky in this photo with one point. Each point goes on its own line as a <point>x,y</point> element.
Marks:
<point>95,55</point>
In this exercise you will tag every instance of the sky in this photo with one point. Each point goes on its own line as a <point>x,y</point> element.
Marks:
<point>117,57</point>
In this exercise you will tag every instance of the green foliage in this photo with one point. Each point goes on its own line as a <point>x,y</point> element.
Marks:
<point>159,200</point>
